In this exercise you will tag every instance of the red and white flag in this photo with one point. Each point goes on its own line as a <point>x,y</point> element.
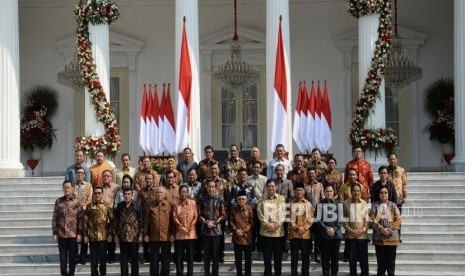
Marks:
<point>154,121</point>
<point>325,121</point>
<point>142,127</point>
<point>183,111</point>
<point>304,116</point>
<point>169,130</point>
<point>317,134</point>
<point>311,119</point>
<point>161,120</point>
<point>297,118</point>
<point>148,122</point>
<point>279,123</point>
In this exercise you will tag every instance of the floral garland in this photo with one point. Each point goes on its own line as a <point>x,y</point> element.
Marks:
<point>383,138</point>
<point>96,12</point>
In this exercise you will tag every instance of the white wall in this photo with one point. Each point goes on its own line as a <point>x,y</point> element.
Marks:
<point>313,52</point>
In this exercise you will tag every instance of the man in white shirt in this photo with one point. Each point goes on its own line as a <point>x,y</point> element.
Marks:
<point>279,159</point>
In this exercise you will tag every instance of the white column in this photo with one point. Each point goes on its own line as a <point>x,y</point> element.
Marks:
<point>274,9</point>
<point>458,162</point>
<point>368,34</point>
<point>99,36</point>
<point>10,164</point>
<point>189,9</point>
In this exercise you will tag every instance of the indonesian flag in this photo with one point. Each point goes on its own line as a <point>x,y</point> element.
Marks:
<point>311,119</point>
<point>143,111</point>
<point>154,123</point>
<point>325,121</point>
<point>317,134</point>
<point>169,130</point>
<point>304,116</point>
<point>183,111</point>
<point>161,121</point>
<point>279,123</point>
<point>148,122</point>
<point>297,118</point>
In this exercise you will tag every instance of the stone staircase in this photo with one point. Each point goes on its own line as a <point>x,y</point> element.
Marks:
<point>433,230</point>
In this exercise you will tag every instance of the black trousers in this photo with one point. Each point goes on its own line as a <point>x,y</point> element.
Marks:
<point>146,247</point>
<point>198,242</point>
<point>399,206</point>
<point>304,246</point>
<point>221,244</point>
<point>160,251</point>
<point>316,239</point>
<point>210,250</point>
<point>184,250</point>
<point>330,256</point>
<point>84,248</point>
<point>98,255</point>
<point>111,248</point>
<point>129,249</point>
<point>386,258</point>
<point>240,249</point>
<point>358,252</point>
<point>67,248</point>
<point>272,247</point>
<point>256,237</point>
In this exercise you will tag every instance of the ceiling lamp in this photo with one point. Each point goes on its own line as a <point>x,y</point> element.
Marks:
<point>236,73</point>
<point>70,75</point>
<point>400,69</point>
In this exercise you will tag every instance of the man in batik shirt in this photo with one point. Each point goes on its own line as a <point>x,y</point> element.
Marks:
<point>212,213</point>
<point>271,213</point>
<point>185,219</point>
<point>128,231</point>
<point>203,170</point>
<point>65,226</point>
<point>83,191</point>
<point>97,230</point>
<point>363,169</point>
<point>232,165</point>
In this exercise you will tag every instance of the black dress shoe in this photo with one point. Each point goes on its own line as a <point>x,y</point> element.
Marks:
<point>111,261</point>
<point>316,258</point>
<point>221,260</point>
<point>82,261</point>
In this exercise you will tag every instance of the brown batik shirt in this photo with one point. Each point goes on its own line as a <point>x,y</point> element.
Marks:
<point>98,221</point>
<point>65,220</point>
<point>241,218</point>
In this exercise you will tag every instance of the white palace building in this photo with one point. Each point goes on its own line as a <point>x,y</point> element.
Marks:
<point>322,41</point>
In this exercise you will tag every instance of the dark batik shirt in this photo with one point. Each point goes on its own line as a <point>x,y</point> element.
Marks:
<point>128,221</point>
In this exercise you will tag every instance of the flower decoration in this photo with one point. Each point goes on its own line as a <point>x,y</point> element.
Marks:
<point>442,127</point>
<point>36,130</point>
<point>96,12</point>
<point>375,140</point>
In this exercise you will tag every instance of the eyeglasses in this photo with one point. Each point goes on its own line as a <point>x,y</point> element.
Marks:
<point>79,173</point>
<point>97,193</point>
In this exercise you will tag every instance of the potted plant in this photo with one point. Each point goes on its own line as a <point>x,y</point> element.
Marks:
<point>439,104</point>
<point>39,106</point>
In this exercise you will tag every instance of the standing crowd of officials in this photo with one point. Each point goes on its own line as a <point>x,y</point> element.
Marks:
<point>263,205</point>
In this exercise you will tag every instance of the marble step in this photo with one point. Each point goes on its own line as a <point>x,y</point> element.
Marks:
<point>406,255</point>
<point>35,192</point>
<point>437,202</point>
<point>455,186</point>
<point>26,230</point>
<point>436,195</point>
<point>228,268</point>
<point>26,214</point>
<point>27,198</point>
<point>434,227</point>
<point>440,177</point>
<point>29,181</point>
<point>26,207</point>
